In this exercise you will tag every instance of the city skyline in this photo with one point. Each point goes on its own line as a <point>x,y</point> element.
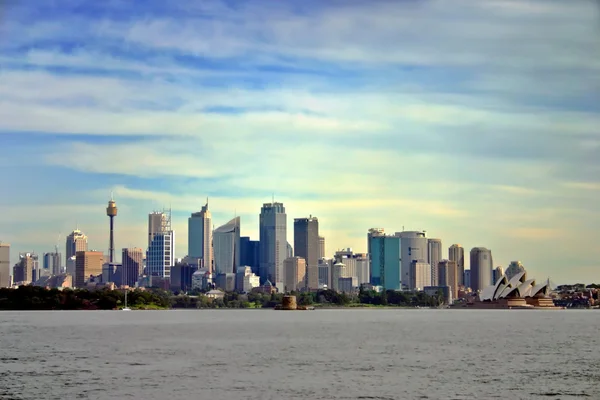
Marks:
<point>367,114</point>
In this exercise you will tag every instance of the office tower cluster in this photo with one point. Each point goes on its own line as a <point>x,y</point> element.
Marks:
<point>218,257</point>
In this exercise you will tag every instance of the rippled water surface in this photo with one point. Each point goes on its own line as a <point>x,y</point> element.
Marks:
<point>326,354</point>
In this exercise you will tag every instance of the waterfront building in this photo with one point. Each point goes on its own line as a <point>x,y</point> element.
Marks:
<point>5,274</point>
<point>434,256</point>
<point>160,255</point>
<point>448,276</point>
<point>481,268</point>
<point>347,284</point>
<point>456,253</point>
<point>225,281</point>
<point>87,264</point>
<point>201,279</point>
<point>514,268</point>
<point>517,292</point>
<point>246,280</point>
<point>385,261</point>
<point>273,244</point>
<point>200,237</point>
<point>414,246</point>
<point>420,275</point>
<point>131,265</point>
<point>226,247</point>
<point>295,274</point>
<point>371,233</point>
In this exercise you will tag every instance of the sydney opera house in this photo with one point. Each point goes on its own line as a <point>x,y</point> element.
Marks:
<point>516,292</point>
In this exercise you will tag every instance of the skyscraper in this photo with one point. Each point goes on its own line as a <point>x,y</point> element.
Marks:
<point>75,242</point>
<point>4,265</point>
<point>52,263</point>
<point>111,211</point>
<point>131,268</point>
<point>321,247</point>
<point>226,247</point>
<point>481,268</point>
<point>448,276</point>
<point>456,253</point>
<point>273,242</point>
<point>307,245</point>
<point>385,261</point>
<point>200,237</point>
<point>434,256</point>
<point>161,245</point>
<point>249,250</point>
<point>420,274</point>
<point>87,264</point>
<point>295,274</point>
<point>414,246</point>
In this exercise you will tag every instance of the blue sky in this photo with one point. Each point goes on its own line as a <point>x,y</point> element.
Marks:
<point>477,121</point>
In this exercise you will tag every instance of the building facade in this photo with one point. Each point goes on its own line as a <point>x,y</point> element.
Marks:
<point>5,273</point>
<point>434,256</point>
<point>52,264</point>
<point>226,247</point>
<point>249,253</point>
<point>76,241</point>
<point>385,262</point>
<point>295,274</point>
<point>200,237</point>
<point>160,255</point>
<point>448,276</point>
<point>321,247</point>
<point>420,274</point>
<point>273,243</point>
<point>456,253</point>
<point>87,264</point>
<point>481,268</point>
<point>414,246</point>
<point>306,241</point>
<point>131,265</point>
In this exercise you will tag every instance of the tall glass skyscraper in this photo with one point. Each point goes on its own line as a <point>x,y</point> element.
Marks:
<point>385,261</point>
<point>226,247</point>
<point>273,243</point>
<point>200,237</point>
<point>161,245</point>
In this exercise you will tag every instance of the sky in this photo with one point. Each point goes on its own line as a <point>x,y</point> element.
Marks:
<point>476,121</point>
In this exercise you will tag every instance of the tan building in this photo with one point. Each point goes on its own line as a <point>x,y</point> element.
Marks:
<point>75,242</point>
<point>448,276</point>
<point>87,263</point>
<point>321,247</point>
<point>5,265</point>
<point>294,274</point>
<point>312,277</point>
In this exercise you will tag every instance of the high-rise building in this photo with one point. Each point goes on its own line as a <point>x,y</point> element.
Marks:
<point>87,264</point>
<point>420,274</point>
<point>357,265</point>
<point>385,261</point>
<point>456,253</point>
<point>467,278</point>
<point>306,240</point>
<point>51,265</point>
<point>324,268</point>
<point>249,250</point>
<point>27,269</point>
<point>200,237</point>
<point>338,271</point>
<point>160,256</point>
<point>448,276</point>
<point>321,247</point>
<point>481,268</point>
<point>75,242</point>
<point>434,256</point>
<point>514,268</point>
<point>5,280</point>
<point>497,274</point>
<point>226,247</point>
<point>131,267</point>
<point>111,212</point>
<point>372,232</point>
<point>273,243</point>
<point>295,274</point>
<point>414,246</point>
